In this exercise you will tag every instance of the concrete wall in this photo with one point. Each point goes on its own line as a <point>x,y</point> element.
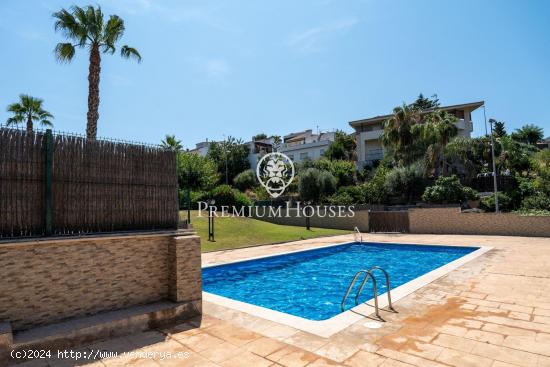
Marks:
<point>48,281</point>
<point>452,221</point>
<point>360,220</point>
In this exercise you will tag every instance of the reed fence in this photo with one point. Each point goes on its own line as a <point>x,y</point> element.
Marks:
<point>67,185</point>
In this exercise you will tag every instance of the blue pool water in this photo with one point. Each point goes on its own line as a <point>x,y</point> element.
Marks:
<point>311,284</point>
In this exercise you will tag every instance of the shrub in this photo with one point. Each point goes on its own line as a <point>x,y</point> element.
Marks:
<point>327,183</point>
<point>539,201</point>
<point>245,180</point>
<point>315,184</point>
<point>504,202</point>
<point>341,198</point>
<point>449,190</point>
<point>375,190</point>
<point>343,171</point>
<point>195,197</point>
<point>406,182</point>
<point>533,213</point>
<point>357,193</point>
<point>224,195</point>
<point>470,194</point>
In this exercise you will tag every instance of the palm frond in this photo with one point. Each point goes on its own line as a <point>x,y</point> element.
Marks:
<point>114,29</point>
<point>127,52</point>
<point>64,52</point>
<point>15,108</point>
<point>71,27</point>
<point>43,114</point>
<point>15,120</point>
<point>95,22</point>
<point>46,123</point>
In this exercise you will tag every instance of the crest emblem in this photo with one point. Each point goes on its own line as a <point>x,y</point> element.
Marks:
<point>275,171</point>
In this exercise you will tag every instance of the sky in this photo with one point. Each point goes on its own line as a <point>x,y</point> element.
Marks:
<point>217,68</point>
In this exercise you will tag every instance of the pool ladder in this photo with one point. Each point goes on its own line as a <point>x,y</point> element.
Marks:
<point>357,236</point>
<point>368,274</point>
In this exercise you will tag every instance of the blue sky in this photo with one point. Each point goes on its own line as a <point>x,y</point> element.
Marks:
<point>242,67</point>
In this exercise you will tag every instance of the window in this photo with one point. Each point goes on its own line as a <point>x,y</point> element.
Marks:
<point>322,151</point>
<point>291,156</point>
<point>303,155</point>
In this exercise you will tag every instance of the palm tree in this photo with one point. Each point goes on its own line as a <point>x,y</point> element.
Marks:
<point>86,28</point>
<point>437,132</point>
<point>29,110</point>
<point>530,134</point>
<point>171,143</point>
<point>399,133</point>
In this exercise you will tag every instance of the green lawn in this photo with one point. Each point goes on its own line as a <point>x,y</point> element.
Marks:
<point>241,232</point>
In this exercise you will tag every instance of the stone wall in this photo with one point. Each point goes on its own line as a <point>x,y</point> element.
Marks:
<point>453,221</point>
<point>360,220</point>
<point>48,281</point>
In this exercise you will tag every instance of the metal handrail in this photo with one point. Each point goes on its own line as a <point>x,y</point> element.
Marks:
<point>367,276</point>
<point>358,233</point>
<point>387,284</point>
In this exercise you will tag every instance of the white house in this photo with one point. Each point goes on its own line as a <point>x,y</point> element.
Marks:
<point>368,131</point>
<point>256,149</point>
<point>306,145</point>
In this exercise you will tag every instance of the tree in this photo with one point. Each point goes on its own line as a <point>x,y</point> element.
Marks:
<point>230,156</point>
<point>398,135</point>
<point>406,182</point>
<point>277,141</point>
<point>342,148</point>
<point>171,143</point>
<point>345,172</point>
<point>498,128</point>
<point>513,155</point>
<point>260,136</point>
<point>245,180</point>
<point>85,28</point>
<point>529,133</point>
<point>375,189</point>
<point>436,132</point>
<point>315,184</point>
<point>29,110</point>
<point>463,151</point>
<point>196,172</point>
<point>422,103</point>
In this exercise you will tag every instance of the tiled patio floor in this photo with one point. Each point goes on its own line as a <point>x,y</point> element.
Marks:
<point>493,311</point>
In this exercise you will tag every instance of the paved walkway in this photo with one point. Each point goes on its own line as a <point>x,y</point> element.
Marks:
<point>493,311</point>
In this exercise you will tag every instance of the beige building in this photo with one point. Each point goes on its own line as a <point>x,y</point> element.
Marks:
<point>306,145</point>
<point>369,131</point>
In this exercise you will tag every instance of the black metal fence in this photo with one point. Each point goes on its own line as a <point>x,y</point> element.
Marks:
<point>67,185</point>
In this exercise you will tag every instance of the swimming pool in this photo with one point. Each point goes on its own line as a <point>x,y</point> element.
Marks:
<point>310,284</point>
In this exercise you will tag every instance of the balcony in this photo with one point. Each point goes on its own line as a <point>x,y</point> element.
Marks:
<point>374,154</point>
<point>372,135</point>
<point>462,125</point>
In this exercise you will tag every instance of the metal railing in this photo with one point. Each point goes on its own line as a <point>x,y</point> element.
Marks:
<point>368,274</point>
<point>357,236</point>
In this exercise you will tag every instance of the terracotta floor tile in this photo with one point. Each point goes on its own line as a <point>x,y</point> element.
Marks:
<point>201,341</point>
<point>306,341</point>
<point>364,359</point>
<point>264,346</point>
<point>338,352</point>
<point>247,359</point>
<point>221,352</point>
<point>461,359</point>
